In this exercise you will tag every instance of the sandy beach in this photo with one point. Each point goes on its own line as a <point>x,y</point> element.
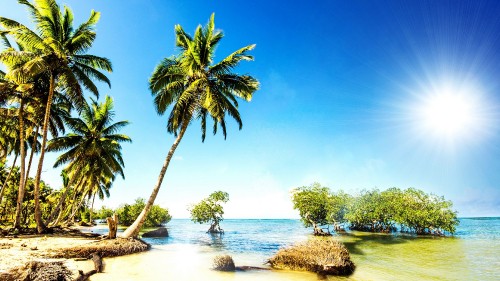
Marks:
<point>16,252</point>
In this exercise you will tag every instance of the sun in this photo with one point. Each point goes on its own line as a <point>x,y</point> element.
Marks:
<point>449,112</point>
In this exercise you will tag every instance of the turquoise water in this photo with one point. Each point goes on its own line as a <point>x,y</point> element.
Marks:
<point>472,254</point>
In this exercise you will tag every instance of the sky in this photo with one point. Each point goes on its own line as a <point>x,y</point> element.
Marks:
<point>354,95</point>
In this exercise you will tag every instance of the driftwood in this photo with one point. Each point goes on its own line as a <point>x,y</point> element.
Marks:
<point>97,268</point>
<point>113,225</point>
<point>97,262</point>
<point>84,276</point>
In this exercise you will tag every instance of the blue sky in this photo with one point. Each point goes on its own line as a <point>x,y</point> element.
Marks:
<point>342,87</point>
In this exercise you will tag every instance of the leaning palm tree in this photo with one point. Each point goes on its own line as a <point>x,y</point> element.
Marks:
<point>57,50</point>
<point>196,89</point>
<point>93,150</point>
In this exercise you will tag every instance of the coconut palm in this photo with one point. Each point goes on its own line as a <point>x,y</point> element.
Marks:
<point>18,90</point>
<point>26,92</point>
<point>58,50</point>
<point>93,150</point>
<point>195,88</point>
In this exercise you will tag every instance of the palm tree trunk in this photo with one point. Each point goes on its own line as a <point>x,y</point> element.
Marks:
<point>4,185</point>
<point>20,194</point>
<point>58,210</point>
<point>133,230</point>
<point>41,228</point>
<point>75,210</point>
<point>33,146</point>
<point>92,210</point>
<point>62,211</point>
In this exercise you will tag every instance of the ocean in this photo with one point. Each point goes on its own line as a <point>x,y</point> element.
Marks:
<point>473,253</point>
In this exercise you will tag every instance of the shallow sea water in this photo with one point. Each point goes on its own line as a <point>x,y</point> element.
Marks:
<point>472,254</point>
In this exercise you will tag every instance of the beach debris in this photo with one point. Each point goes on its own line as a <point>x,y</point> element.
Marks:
<point>39,271</point>
<point>323,256</point>
<point>223,263</point>
<point>5,245</point>
<point>160,232</point>
<point>34,248</point>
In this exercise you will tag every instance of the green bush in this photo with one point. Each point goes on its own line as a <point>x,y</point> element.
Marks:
<point>156,217</point>
<point>410,210</point>
<point>103,213</point>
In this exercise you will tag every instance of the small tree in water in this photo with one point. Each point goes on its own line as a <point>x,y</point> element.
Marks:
<point>210,210</point>
<point>313,205</point>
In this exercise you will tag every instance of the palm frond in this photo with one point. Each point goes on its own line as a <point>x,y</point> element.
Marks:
<point>84,35</point>
<point>23,35</point>
<point>4,40</point>
<point>231,61</point>
<point>94,61</point>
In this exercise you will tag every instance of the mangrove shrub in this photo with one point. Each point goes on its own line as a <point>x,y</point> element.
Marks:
<point>409,210</point>
<point>210,210</point>
<point>314,205</point>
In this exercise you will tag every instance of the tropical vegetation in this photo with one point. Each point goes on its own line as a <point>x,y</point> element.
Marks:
<point>409,210</point>
<point>210,210</point>
<point>47,70</point>
<point>92,154</point>
<point>127,214</point>
<point>193,87</point>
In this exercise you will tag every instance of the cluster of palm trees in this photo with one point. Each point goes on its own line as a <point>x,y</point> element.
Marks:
<point>47,70</point>
<point>46,75</point>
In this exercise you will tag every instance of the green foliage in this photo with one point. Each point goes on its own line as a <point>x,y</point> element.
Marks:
<point>338,207</point>
<point>411,210</point>
<point>103,213</point>
<point>426,213</point>
<point>9,198</point>
<point>156,217</point>
<point>210,210</point>
<point>372,211</point>
<point>313,204</point>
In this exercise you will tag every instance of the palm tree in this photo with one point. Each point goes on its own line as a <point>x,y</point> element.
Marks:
<point>26,93</point>
<point>196,89</point>
<point>18,90</point>
<point>93,150</point>
<point>58,50</point>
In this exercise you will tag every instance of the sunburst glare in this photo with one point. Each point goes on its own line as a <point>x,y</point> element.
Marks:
<point>450,112</point>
